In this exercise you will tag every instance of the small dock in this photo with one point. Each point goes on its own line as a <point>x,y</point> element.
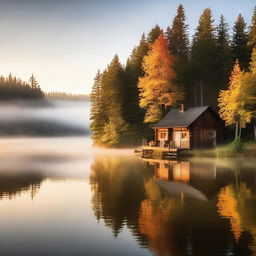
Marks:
<point>159,152</point>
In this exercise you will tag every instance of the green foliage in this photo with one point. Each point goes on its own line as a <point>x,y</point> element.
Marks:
<point>154,34</point>
<point>240,49</point>
<point>204,65</point>
<point>13,88</point>
<point>237,145</point>
<point>224,53</point>
<point>252,31</point>
<point>177,35</point>
<point>133,71</point>
<point>107,109</point>
<point>178,42</point>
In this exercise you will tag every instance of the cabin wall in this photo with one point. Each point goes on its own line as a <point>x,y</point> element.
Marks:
<point>202,128</point>
<point>167,137</point>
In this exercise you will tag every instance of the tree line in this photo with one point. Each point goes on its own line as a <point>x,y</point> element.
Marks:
<point>14,88</point>
<point>165,69</point>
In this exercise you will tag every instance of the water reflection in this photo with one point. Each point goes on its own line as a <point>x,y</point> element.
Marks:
<point>59,194</point>
<point>192,207</point>
<point>13,185</point>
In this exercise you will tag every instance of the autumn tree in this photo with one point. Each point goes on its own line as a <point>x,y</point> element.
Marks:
<point>157,86</point>
<point>239,44</point>
<point>232,106</point>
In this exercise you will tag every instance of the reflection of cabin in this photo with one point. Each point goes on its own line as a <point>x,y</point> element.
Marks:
<point>198,127</point>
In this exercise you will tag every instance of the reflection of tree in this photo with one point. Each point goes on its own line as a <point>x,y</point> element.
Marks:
<point>228,208</point>
<point>167,222</point>
<point>155,213</point>
<point>117,186</point>
<point>13,185</point>
<point>237,203</point>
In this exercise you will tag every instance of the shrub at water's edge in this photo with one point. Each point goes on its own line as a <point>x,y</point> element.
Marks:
<point>237,148</point>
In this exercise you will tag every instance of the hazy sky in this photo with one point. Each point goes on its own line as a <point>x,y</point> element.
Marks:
<point>64,42</point>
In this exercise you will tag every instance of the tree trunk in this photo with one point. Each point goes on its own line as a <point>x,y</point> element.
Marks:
<point>254,127</point>
<point>240,132</point>
<point>237,128</point>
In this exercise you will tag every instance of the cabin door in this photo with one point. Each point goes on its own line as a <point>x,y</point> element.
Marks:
<point>181,139</point>
<point>177,139</point>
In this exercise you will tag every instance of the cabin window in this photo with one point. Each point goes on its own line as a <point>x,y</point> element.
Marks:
<point>163,135</point>
<point>211,134</point>
<point>184,135</point>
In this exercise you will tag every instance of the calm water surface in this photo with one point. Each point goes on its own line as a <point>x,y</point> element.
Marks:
<point>60,196</point>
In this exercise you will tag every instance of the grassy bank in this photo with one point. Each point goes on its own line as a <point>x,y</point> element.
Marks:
<point>234,149</point>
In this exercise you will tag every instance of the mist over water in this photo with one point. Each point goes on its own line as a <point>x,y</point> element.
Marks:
<point>44,118</point>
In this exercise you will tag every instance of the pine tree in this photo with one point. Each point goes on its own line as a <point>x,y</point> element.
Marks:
<point>252,31</point>
<point>157,89</point>
<point>133,114</point>
<point>154,34</point>
<point>224,52</point>
<point>178,41</point>
<point>203,63</point>
<point>231,103</point>
<point>240,49</point>
<point>96,110</point>
<point>113,90</point>
<point>177,35</point>
<point>33,82</point>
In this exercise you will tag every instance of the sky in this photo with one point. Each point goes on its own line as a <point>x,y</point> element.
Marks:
<point>65,42</point>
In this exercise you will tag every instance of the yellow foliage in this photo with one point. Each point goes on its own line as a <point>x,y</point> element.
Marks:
<point>231,102</point>
<point>228,208</point>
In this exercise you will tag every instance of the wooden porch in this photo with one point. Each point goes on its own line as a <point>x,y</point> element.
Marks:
<point>159,152</point>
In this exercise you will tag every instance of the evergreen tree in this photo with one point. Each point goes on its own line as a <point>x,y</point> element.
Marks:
<point>113,89</point>
<point>224,52</point>
<point>13,88</point>
<point>134,115</point>
<point>35,86</point>
<point>157,87</point>
<point>96,111</point>
<point>204,64</point>
<point>178,41</point>
<point>177,35</point>
<point>154,34</point>
<point>252,31</point>
<point>33,82</point>
<point>240,49</point>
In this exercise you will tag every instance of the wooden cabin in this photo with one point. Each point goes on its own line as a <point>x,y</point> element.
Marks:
<point>198,127</point>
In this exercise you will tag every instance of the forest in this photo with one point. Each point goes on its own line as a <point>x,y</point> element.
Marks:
<point>14,88</point>
<point>215,66</point>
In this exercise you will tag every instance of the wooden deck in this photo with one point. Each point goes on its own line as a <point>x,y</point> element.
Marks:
<point>159,152</point>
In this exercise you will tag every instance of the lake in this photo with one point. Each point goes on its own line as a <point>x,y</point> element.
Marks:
<point>61,196</point>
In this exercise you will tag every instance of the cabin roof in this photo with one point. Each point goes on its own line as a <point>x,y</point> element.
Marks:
<point>176,118</point>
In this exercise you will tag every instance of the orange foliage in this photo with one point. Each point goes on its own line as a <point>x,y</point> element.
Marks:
<point>157,87</point>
